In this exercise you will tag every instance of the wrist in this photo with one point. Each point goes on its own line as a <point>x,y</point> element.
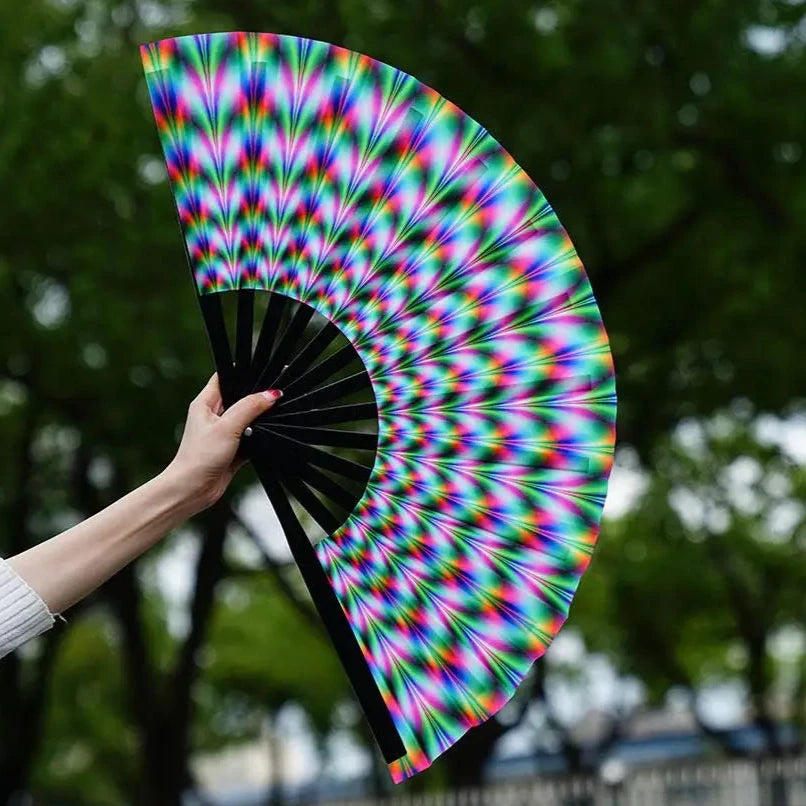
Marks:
<point>187,496</point>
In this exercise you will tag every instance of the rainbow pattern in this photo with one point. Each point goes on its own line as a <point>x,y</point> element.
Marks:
<point>310,170</point>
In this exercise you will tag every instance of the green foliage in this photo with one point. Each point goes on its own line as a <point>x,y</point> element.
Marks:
<point>672,149</point>
<point>263,654</point>
<point>692,586</point>
<point>91,753</point>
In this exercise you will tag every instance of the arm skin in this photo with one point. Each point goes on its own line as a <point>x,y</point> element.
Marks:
<point>72,564</point>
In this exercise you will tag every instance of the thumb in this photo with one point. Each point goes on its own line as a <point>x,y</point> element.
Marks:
<point>240,414</point>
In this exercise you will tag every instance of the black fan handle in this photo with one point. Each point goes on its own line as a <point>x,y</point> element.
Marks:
<point>334,618</point>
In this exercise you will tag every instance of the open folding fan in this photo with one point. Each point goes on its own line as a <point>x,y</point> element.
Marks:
<point>449,400</point>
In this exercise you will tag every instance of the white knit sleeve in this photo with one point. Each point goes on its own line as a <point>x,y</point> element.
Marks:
<point>23,614</point>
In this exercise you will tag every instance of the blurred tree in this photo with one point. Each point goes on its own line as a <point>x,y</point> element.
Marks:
<point>81,362</point>
<point>251,673</point>
<point>90,756</point>
<point>667,136</point>
<point>699,583</point>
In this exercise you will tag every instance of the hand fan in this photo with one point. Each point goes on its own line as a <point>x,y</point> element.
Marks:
<point>449,399</point>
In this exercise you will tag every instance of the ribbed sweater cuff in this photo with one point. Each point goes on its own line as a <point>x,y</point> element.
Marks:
<point>23,614</point>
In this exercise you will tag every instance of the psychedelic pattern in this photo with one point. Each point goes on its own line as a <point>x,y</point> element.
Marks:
<point>309,170</point>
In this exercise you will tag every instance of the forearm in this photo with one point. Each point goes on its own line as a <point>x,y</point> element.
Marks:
<point>72,564</point>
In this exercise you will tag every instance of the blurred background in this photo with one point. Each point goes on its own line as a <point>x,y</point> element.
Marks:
<point>669,139</point>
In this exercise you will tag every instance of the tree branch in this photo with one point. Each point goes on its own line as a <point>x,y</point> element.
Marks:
<point>209,571</point>
<point>276,570</point>
<point>737,174</point>
<point>614,274</point>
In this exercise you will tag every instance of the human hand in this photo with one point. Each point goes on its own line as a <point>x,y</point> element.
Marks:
<point>205,461</point>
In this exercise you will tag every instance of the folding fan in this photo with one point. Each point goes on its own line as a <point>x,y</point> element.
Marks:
<point>447,425</point>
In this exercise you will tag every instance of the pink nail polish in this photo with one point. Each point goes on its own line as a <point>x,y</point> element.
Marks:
<point>273,394</point>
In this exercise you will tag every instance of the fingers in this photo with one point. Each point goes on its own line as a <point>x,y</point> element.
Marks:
<point>210,396</point>
<point>240,414</point>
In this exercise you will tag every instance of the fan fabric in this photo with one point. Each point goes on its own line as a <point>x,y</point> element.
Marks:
<point>302,168</point>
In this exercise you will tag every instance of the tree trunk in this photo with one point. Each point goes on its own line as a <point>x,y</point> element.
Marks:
<point>23,684</point>
<point>275,795</point>
<point>163,705</point>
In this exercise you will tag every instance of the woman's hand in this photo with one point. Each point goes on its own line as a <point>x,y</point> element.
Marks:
<point>70,565</point>
<point>205,462</point>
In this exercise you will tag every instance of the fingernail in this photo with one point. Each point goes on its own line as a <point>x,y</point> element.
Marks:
<point>273,394</point>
